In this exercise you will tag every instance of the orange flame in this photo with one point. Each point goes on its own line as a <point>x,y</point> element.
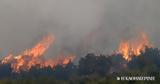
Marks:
<point>133,47</point>
<point>32,57</point>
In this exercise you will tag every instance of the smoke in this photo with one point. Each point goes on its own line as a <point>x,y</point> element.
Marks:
<point>80,26</point>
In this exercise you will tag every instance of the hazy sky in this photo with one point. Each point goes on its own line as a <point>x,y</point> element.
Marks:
<point>80,26</point>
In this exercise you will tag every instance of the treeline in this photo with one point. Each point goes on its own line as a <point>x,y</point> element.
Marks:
<point>91,68</point>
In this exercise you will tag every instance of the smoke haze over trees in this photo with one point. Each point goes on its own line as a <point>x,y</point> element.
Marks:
<point>89,29</point>
<point>80,26</point>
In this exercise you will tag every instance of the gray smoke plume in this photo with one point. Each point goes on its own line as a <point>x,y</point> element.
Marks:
<point>80,26</point>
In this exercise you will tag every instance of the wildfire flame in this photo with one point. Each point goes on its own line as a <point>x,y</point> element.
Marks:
<point>133,47</point>
<point>32,57</point>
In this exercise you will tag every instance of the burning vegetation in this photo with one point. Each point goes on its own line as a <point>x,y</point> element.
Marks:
<point>130,52</point>
<point>134,56</point>
<point>34,56</point>
<point>134,47</point>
